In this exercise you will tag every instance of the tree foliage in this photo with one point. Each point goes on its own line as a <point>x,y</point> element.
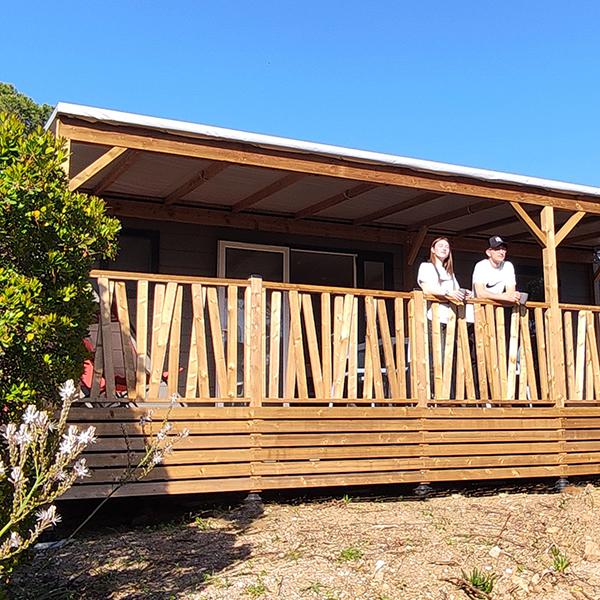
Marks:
<point>49,240</point>
<point>28,111</point>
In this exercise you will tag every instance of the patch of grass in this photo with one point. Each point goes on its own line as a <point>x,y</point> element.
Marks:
<point>294,555</point>
<point>346,499</point>
<point>315,587</point>
<point>202,524</point>
<point>350,553</point>
<point>218,581</point>
<point>256,590</point>
<point>481,581</point>
<point>560,561</point>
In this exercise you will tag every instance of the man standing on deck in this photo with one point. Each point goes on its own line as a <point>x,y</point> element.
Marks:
<point>494,276</point>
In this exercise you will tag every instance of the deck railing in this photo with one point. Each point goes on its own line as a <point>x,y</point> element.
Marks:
<point>254,343</point>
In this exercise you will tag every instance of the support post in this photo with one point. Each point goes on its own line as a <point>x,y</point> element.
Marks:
<point>555,335</point>
<point>420,357</point>
<point>257,366</point>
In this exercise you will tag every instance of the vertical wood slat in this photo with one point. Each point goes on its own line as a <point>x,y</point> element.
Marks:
<point>492,349</point>
<point>569,354</point>
<point>157,307</point>
<point>191,382</point>
<point>480,351</point>
<point>523,362</point>
<point>198,298</point>
<point>313,344</point>
<point>374,346</point>
<point>274,344</point>
<point>367,388</point>
<point>436,350</point>
<point>160,337</point>
<point>466,352</point>
<point>400,350</point>
<point>263,344</point>
<point>593,351</point>
<point>257,375</point>
<point>412,348</point>
<point>353,353</point>
<point>501,341</point>
<point>141,343</point>
<point>326,343</point>
<point>105,289</point>
<point>338,310</point>
<point>343,344</point>
<point>449,353</point>
<point>420,359</point>
<point>247,335</point>
<point>552,389</point>
<point>175,345</point>
<point>513,352</point>
<point>460,370</point>
<point>98,363</point>
<point>542,364</point>
<point>528,352</point>
<point>580,359</point>
<point>216,332</point>
<point>232,341</point>
<point>388,350</point>
<point>298,345</point>
<point>126,340</point>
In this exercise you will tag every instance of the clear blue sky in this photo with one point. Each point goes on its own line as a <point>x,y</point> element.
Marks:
<point>509,85</point>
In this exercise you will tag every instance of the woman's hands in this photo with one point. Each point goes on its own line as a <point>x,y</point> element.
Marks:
<point>459,295</point>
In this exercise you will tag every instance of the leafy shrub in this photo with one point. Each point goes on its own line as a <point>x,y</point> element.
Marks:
<point>49,240</point>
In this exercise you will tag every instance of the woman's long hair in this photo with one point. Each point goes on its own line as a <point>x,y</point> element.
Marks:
<point>447,262</point>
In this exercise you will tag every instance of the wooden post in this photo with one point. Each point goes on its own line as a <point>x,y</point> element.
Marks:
<point>555,339</point>
<point>420,358</point>
<point>255,354</point>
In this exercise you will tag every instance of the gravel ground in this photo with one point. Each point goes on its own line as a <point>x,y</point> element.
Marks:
<point>536,544</point>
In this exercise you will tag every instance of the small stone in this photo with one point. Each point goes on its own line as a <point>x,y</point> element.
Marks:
<point>520,583</point>
<point>552,530</point>
<point>495,552</point>
<point>536,579</point>
<point>378,572</point>
<point>591,551</point>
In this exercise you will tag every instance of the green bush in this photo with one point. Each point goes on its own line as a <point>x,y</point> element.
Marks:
<point>49,240</point>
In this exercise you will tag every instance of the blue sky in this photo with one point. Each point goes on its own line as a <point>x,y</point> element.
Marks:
<point>511,86</point>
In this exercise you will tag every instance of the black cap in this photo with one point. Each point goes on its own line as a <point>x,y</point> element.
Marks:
<point>496,241</point>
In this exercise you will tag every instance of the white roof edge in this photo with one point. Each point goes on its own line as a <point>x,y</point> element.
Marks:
<point>183,127</point>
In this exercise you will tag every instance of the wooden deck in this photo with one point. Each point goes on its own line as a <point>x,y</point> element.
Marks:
<point>290,386</point>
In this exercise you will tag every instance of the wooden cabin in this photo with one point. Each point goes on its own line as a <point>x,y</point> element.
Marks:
<point>266,288</point>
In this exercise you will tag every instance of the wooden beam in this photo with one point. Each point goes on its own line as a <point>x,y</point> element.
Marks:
<point>417,242</point>
<point>196,181</point>
<point>353,192</point>
<point>555,336</point>
<point>319,165</point>
<point>141,208</point>
<point>267,191</point>
<point>568,226</point>
<point>120,165</point>
<point>457,213</point>
<point>398,207</point>
<point>585,236</point>
<point>487,225</point>
<point>530,223</point>
<point>97,166</point>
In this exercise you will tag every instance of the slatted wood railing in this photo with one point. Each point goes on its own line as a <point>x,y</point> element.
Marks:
<point>254,343</point>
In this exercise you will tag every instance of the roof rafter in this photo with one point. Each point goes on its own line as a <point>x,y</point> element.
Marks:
<point>98,165</point>
<point>398,207</point>
<point>348,194</point>
<point>457,213</point>
<point>196,181</point>
<point>120,165</point>
<point>267,191</point>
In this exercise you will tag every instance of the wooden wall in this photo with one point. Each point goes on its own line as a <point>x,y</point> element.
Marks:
<point>243,449</point>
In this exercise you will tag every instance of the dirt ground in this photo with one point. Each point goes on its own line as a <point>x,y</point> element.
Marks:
<point>537,544</point>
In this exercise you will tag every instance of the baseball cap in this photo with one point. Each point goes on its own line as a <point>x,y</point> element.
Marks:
<point>496,241</point>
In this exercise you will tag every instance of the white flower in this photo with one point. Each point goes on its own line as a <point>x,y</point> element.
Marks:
<point>23,436</point>
<point>16,476</point>
<point>87,436</point>
<point>9,431</point>
<point>80,468</point>
<point>67,390</point>
<point>60,476</point>
<point>157,458</point>
<point>174,399</point>
<point>42,421</point>
<point>14,540</point>
<point>146,418</point>
<point>184,432</point>
<point>47,516</point>
<point>30,414</point>
<point>162,434</point>
<point>2,468</point>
